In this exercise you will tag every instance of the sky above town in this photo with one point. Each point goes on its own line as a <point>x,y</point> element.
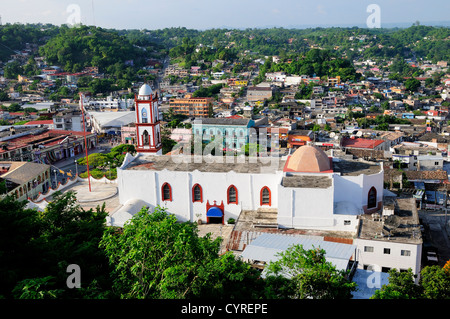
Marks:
<point>208,14</point>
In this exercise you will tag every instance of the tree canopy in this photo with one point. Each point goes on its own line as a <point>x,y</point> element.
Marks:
<point>37,247</point>
<point>307,274</point>
<point>154,256</point>
<point>76,48</point>
<point>434,283</point>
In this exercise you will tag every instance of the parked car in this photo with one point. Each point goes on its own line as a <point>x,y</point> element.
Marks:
<point>432,258</point>
<point>430,253</point>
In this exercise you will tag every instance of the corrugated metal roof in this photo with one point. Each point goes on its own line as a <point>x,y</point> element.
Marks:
<point>267,246</point>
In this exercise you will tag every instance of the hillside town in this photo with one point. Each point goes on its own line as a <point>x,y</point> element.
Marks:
<point>362,162</point>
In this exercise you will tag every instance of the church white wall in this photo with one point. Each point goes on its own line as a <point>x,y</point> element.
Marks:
<point>180,183</point>
<point>375,180</point>
<point>146,185</point>
<point>348,188</point>
<point>355,189</point>
<point>297,207</point>
<point>136,185</point>
<point>305,207</point>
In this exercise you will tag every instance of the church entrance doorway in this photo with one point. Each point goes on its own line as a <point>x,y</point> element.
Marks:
<point>214,213</point>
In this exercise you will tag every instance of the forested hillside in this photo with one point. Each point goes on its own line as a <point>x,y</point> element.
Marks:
<point>76,48</point>
<point>121,54</point>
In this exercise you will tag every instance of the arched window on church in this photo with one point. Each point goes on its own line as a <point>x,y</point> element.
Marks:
<point>197,193</point>
<point>232,195</point>
<point>265,196</point>
<point>145,138</point>
<point>372,198</point>
<point>144,116</point>
<point>166,191</point>
<point>155,111</point>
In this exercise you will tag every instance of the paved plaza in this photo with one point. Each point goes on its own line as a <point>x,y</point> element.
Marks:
<point>98,194</point>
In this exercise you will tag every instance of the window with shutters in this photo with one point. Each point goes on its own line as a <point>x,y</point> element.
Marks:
<point>265,196</point>
<point>197,194</point>
<point>166,192</point>
<point>232,195</point>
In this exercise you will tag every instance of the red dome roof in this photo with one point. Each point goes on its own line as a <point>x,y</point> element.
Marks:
<point>309,159</point>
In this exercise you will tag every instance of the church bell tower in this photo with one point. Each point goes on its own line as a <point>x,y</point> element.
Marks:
<point>148,130</point>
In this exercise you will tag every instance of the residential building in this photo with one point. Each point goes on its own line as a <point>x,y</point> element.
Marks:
<point>297,138</point>
<point>111,104</point>
<point>42,123</point>
<point>240,83</point>
<point>24,179</point>
<point>275,76</point>
<point>430,163</point>
<point>415,149</point>
<point>235,132</point>
<point>181,135</point>
<point>435,140</point>
<point>362,143</point>
<point>128,134</point>
<point>334,81</point>
<point>45,146</point>
<point>69,120</point>
<point>192,106</point>
<point>255,93</point>
<point>383,243</point>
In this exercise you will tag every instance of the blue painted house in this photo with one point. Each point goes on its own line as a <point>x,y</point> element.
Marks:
<point>235,132</point>
<point>407,115</point>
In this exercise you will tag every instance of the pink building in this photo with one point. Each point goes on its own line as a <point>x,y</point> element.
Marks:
<point>129,134</point>
<point>181,135</point>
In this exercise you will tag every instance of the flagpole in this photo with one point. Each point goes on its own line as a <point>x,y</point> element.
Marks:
<point>85,140</point>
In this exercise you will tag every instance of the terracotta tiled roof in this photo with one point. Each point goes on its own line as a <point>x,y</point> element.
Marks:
<point>361,143</point>
<point>427,175</point>
<point>39,122</point>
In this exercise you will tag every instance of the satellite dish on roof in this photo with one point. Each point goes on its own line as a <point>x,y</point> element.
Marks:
<point>359,134</point>
<point>332,134</point>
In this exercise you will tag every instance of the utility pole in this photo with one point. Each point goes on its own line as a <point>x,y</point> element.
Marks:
<point>85,139</point>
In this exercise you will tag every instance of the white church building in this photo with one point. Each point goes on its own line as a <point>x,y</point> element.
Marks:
<point>305,190</point>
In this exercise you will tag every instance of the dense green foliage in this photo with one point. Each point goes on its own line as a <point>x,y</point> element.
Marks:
<point>434,283</point>
<point>314,63</point>
<point>311,276</point>
<point>210,91</point>
<point>77,48</point>
<point>381,122</point>
<point>122,54</point>
<point>14,37</point>
<point>106,164</point>
<point>422,41</point>
<point>157,257</point>
<point>36,248</point>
